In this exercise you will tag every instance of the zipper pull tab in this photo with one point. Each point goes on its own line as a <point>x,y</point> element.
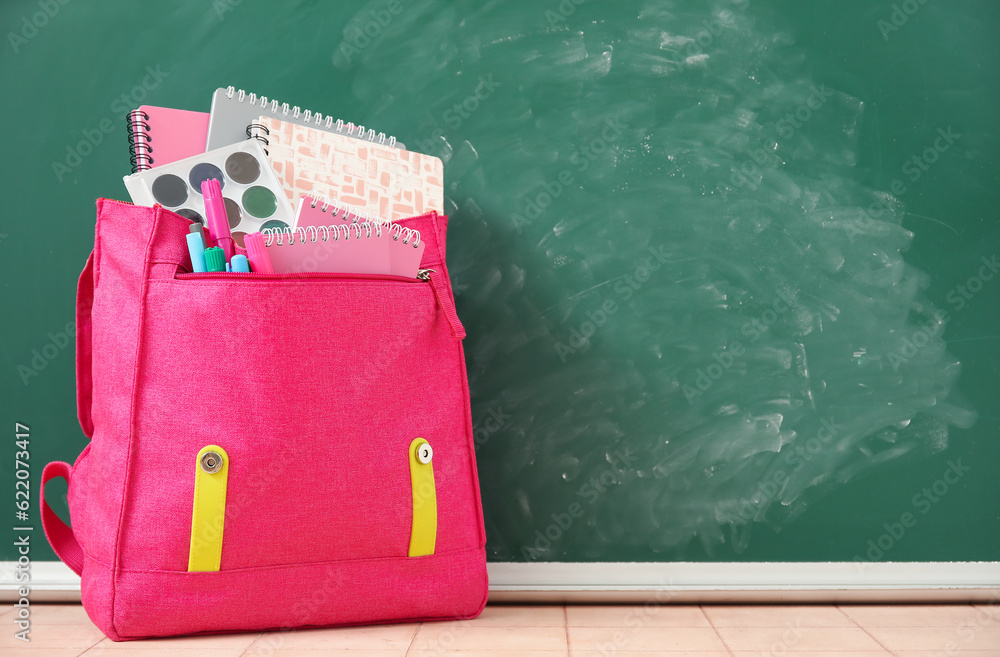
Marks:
<point>443,296</point>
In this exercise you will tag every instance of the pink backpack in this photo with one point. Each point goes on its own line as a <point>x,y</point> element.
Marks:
<point>268,451</point>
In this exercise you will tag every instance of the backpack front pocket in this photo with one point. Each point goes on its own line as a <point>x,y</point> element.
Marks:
<point>316,390</point>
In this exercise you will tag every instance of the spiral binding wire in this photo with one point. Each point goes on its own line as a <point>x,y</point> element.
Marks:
<point>345,212</point>
<point>259,132</point>
<point>139,140</point>
<point>312,234</point>
<point>314,119</point>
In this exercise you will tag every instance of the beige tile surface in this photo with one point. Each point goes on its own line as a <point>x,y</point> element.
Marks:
<point>643,639</point>
<point>992,611</point>
<point>938,638</point>
<point>658,653</point>
<point>815,653</point>
<point>589,630</point>
<point>778,640</point>
<point>433,638</point>
<point>58,615</point>
<point>223,644</point>
<point>635,616</point>
<point>378,637</point>
<point>333,652</point>
<point>486,653</point>
<point>914,615</point>
<point>151,649</point>
<point>513,616</point>
<point>958,652</point>
<point>776,616</point>
<point>53,636</point>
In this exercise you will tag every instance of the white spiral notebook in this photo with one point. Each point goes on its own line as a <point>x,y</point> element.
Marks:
<point>233,110</point>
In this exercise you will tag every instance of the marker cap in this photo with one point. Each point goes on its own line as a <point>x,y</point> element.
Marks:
<point>257,253</point>
<point>240,263</point>
<point>215,259</point>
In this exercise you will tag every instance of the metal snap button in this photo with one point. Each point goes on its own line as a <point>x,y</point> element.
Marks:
<point>425,453</point>
<point>211,462</point>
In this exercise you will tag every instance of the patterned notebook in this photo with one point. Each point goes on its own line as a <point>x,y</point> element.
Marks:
<point>390,183</point>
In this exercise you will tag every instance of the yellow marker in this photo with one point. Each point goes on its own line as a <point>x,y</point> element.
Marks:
<point>209,513</point>
<point>425,520</point>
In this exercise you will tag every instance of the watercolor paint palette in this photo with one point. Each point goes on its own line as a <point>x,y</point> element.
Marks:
<point>254,199</point>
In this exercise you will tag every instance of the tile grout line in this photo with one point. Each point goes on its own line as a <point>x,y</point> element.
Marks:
<point>701,608</point>
<point>569,651</point>
<point>89,648</point>
<point>252,643</point>
<point>413,638</point>
<point>863,629</point>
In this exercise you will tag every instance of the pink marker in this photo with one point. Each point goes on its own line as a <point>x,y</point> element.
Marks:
<point>215,215</point>
<point>260,260</point>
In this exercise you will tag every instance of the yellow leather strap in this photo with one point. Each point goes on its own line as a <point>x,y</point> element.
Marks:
<point>208,515</point>
<point>424,531</point>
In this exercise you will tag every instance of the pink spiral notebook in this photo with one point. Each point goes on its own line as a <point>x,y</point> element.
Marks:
<point>404,246</point>
<point>344,249</point>
<point>161,135</point>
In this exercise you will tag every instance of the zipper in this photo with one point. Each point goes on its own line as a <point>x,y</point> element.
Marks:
<point>423,275</point>
<point>441,293</point>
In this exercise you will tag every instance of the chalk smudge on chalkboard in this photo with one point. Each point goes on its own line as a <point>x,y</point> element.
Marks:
<point>676,203</point>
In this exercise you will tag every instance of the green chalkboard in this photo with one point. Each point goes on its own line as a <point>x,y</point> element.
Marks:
<point>728,267</point>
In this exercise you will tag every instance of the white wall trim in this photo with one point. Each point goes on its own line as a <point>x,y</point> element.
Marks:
<point>728,576</point>
<point>681,582</point>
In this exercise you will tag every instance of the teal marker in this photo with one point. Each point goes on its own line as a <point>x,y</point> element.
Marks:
<point>215,259</point>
